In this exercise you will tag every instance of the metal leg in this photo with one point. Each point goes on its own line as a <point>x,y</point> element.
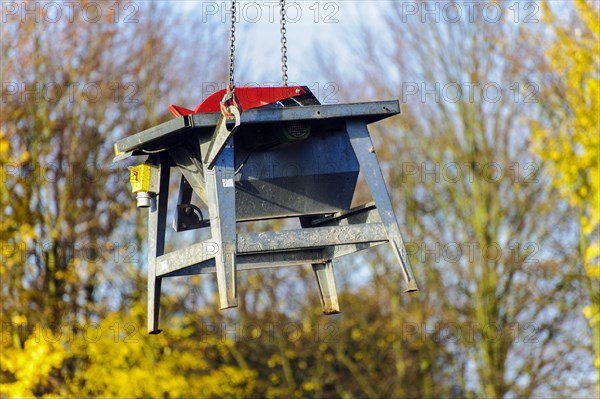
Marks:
<point>327,290</point>
<point>365,152</point>
<point>325,280</point>
<point>220,185</point>
<point>157,223</point>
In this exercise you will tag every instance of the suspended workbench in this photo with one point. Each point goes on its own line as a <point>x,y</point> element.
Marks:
<point>285,157</point>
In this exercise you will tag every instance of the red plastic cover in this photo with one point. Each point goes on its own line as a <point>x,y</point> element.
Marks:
<point>247,97</point>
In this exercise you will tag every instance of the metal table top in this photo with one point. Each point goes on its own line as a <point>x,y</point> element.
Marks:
<point>169,131</point>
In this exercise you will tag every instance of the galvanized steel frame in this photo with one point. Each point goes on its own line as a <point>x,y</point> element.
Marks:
<point>318,242</point>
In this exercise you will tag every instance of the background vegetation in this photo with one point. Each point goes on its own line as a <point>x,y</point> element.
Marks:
<point>497,193</point>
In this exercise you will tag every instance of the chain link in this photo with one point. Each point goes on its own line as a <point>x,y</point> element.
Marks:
<point>232,47</point>
<point>284,67</point>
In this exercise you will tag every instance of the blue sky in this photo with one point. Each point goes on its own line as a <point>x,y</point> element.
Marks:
<point>258,47</point>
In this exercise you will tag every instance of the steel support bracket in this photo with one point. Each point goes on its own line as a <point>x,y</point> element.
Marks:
<point>221,137</point>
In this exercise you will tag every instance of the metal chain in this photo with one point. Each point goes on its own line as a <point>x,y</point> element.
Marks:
<point>232,47</point>
<point>284,67</point>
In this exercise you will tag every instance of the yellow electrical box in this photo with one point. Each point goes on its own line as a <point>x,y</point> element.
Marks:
<point>144,178</point>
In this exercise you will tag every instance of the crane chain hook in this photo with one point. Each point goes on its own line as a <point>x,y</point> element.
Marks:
<point>230,99</point>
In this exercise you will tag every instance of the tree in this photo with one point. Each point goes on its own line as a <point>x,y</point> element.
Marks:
<point>73,82</point>
<point>64,100</point>
<point>571,142</point>
<point>486,230</point>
